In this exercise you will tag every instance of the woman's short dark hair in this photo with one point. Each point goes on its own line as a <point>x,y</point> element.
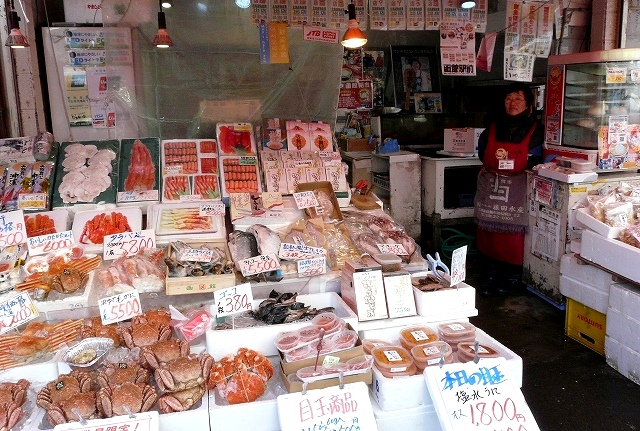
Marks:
<point>515,87</point>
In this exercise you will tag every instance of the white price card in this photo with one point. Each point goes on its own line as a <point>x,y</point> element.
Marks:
<point>479,397</point>
<point>305,200</point>
<point>299,251</point>
<point>52,242</point>
<point>32,201</point>
<point>214,209</point>
<point>259,264</point>
<point>172,170</point>
<point>397,249</point>
<point>311,267</point>
<point>16,311</point>
<point>138,196</point>
<point>197,255</point>
<point>128,243</point>
<point>233,300</point>
<point>458,265</point>
<point>147,421</point>
<point>399,293</point>
<point>12,228</point>
<point>332,409</point>
<point>370,298</point>
<point>119,307</point>
<point>190,198</point>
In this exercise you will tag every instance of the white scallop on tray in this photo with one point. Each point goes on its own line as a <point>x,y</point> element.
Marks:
<point>133,218</point>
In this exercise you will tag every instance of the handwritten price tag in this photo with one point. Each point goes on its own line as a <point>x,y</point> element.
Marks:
<point>290,251</point>
<point>137,196</point>
<point>458,265</point>
<point>311,267</point>
<point>119,307</point>
<point>305,200</point>
<point>215,209</point>
<point>397,249</point>
<point>32,201</point>
<point>233,300</point>
<point>172,170</point>
<point>259,264</point>
<point>399,293</point>
<point>190,198</point>
<point>12,228</point>
<point>197,255</point>
<point>16,311</point>
<point>128,243</point>
<point>51,242</point>
<point>147,421</point>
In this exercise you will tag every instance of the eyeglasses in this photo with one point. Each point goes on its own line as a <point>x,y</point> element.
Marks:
<point>517,99</point>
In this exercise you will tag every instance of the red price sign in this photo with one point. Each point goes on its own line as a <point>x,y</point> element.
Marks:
<point>311,267</point>
<point>120,307</point>
<point>16,311</point>
<point>12,228</point>
<point>48,243</point>
<point>305,200</point>
<point>259,264</point>
<point>128,243</point>
<point>215,209</point>
<point>397,249</point>
<point>233,300</point>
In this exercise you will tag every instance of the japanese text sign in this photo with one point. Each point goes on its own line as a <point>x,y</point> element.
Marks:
<point>458,265</point>
<point>311,267</point>
<point>215,209</point>
<point>119,307</point>
<point>305,199</point>
<point>12,228</point>
<point>233,300</point>
<point>259,264</point>
<point>16,311</point>
<point>397,249</point>
<point>128,243</point>
<point>148,421</point>
<point>52,242</point>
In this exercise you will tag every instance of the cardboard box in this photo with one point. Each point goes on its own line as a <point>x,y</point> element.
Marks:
<point>462,140</point>
<point>585,325</point>
<point>356,144</point>
<point>296,386</point>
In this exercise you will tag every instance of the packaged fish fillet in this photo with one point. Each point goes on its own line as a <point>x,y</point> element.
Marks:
<point>36,188</point>
<point>18,179</point>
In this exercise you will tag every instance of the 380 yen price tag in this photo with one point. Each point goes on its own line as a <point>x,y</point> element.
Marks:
<point>232,300</point>
<point>258,264</point>
<point>305,200</point>
<point>47,243</point>
<point>215,209</point>
<point>12,228</point>
<point>128,243</point>
<point>16,311</point>
<point>119,307</point>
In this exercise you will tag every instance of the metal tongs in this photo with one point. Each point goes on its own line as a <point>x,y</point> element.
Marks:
<point>436,263</point>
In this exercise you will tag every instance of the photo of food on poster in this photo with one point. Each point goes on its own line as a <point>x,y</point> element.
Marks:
<point>457,48</point>
<point>518,66</point>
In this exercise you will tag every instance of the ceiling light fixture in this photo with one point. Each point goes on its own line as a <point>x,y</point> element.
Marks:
<point>467,4</point>
<point>167,4</point>
<point>243,4</point>
<point>162,39</point>
<point>15,39</point>
<point>353,37</point>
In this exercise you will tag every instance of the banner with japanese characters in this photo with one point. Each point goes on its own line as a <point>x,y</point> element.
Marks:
<point>300,12</point>
<point>512,27</point>
<point>378,19</point>
<point>457,48</point>
<point>479,16</point>
<point>415,14</point>
<point>432,14</point>
<point>397,15</point>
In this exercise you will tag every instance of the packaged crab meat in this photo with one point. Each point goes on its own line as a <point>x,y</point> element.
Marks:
<point>235,139</point>
<point>144,271</point>
<point>240,175</point>
<point>47,222</point>
<point>90,227</point>
<point>139,165</point>
<point>298,136</point>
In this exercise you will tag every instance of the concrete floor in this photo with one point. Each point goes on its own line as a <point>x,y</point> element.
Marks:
<point>567,386</point>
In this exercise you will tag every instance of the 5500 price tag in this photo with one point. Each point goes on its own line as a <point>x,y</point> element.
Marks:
<point>128,243</point>
<point>119,307</point>
<point>233,300</point>
<point>259,264</point>
<point>47,243</point>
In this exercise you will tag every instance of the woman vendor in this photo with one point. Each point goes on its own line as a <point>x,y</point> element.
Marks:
<point>510,144</point>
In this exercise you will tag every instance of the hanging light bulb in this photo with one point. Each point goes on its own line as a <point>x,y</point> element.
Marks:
<point>467,4</point>
<point>162,38</point>
<point>16,39</point>
<point>353,37</point>
<point>167,4</point>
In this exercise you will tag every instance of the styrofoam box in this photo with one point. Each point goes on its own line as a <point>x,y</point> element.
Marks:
<point>366,329</point>
<point>67,302</point>
<point>624,329</point>
<point>329,282</point>
<point>581,177</point>
<point>583,215</point>
<point>584,294</point>
<point>585,273</point>
<point>261,414</point>
<point>625,297</point>
<point>460,300</point>
<point>261,338</point>
<point>612,254</point>
<point>416,418</point>
<point>407,392</point>
<point>623,359</point>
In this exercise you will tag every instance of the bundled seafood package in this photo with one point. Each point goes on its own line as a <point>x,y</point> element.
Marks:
<point>240,174</point>
<point>183,221</point>
<point>144,271</point>
<point>87,173</point>
<point>28,148</point>
<point>90,227</point>
<point>190,170</point>
<point>45,223</point>
<point>236,139</point>
<point>140,171</point>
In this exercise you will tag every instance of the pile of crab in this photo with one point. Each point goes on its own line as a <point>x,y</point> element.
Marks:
<point>12,399</point>
<point>124,384</point>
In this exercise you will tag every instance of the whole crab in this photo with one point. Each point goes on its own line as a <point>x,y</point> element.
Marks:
<point>14,392</point>
<point>73,409</point>
<point>122,372</point>
<point>181,400</point>
<point>94,328</point>
<point>163,352</point>
<point>126,399</point>
<point>64,387</point>
<point>10,414</point>
<point>184,373</point>
<point>144,334</point>
<point>159,316</point>
<point>69,280</point>
<point>241,378</point>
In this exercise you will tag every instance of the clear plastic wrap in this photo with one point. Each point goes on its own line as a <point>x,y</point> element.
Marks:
<point>145,272</point>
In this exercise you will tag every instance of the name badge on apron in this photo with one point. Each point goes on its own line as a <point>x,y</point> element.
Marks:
<point>506,164</point>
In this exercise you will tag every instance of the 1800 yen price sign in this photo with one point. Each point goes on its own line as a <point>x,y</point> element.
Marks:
<point>119,307</point>
<point>258,264</point>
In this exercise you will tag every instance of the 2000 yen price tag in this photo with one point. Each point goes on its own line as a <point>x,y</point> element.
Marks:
<point>16,311</point>
<point>258,264</point>
<point>311,267</point>
<point>128,243</point>
<point>215,209</point>
<point>119,307</point>
<point>52,242</point>
<point>12,228</point>
<point>397,249</point>
<point>233,300</point>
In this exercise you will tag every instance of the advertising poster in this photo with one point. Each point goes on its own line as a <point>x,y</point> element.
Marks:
<point>545,30</point>
<point>512,31</point>
<point>77,95</point>
<point>415,14</point>
<point>378,19</point>
<point>457,48</point>
<point>397,15</point>
<point>319,13</point>
<point>432,15</point>
<point>479,16</point>
<point>518,66</point>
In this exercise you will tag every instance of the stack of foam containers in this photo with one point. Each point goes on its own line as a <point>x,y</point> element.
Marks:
<point>584,283</point>
<point>621,342</point>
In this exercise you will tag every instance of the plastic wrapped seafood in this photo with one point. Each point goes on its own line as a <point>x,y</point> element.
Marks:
<point>206,259</point>
<point>145,272</point>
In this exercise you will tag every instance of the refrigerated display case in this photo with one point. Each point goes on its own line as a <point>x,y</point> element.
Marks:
<point>593,102</point>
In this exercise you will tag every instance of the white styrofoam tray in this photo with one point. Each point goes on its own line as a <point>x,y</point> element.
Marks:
<point>584,294</point>
<point>460,300</point>
<point>407,392</point>
<point>583,215</point>
<point>154,213</point>
<point>616,256</point>
<point>261,338</point>
<point>67,302</point>
<point>371,328</point>
<point>585,273</point>
<point>60,218</point>
<point>422,417</point>
<point>133,215</point>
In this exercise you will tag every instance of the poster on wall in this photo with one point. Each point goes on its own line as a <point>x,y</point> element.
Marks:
<point>378,19</point>
<point>397,15</point>
<point>415,14</point>
<point>274,43</point>
<point>77,96</point>
<point>415,70</point>
<point>319,13</point>
<point>479,16</point>
<point>457,48</point>
<point>518,66</point>
<point>432,15</point>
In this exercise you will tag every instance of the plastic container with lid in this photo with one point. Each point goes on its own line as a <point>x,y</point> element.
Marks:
<point>369,345</point>
<point>428,354</point>
<point>416,335</point>
<point>410,371</point>
<point>455,330</point>
<point>392,360</point>
<point>467,352</point>
<point>390,262</point>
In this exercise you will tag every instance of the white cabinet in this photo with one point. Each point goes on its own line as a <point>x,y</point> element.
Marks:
<point>396,177</point>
